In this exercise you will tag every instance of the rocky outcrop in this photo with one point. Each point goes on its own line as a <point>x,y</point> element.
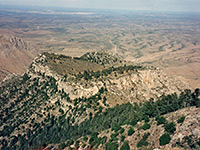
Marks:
<point>145,84</point>
<point>15,55</point>
<point>135,87</point>
<point>15,42</point>
<point>74,89</point>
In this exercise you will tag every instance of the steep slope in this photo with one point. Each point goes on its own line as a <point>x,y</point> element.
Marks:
<point>147,134</point>
<point>15,55</point>
<point>62,98</point>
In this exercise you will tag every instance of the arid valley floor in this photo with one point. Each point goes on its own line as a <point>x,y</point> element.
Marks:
<point>168,41</point>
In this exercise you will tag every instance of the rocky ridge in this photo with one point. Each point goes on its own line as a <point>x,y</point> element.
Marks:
<point>137,86</point>
<point>15,55</point>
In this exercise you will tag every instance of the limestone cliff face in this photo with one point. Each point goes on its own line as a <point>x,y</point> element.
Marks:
<point>135,87</point>
<point>74,89</point>
<point>145,84</point>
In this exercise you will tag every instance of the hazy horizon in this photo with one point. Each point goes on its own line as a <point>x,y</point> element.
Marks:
<point>143,5</point>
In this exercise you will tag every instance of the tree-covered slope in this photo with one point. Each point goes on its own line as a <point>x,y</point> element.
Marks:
<point>68,106</point>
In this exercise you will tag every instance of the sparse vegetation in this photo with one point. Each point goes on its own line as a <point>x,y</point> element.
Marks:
<point>88,75</point>
<point>125,146</point>
<point>143,141</point>
<point>111,146</point>
<point>170,127</point>
<point>84,68</point>
<point>181,119</point>
<point>130,131</point>
<point>160,120</point>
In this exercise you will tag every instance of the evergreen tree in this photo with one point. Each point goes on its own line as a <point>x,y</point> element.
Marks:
<point>125,146</point>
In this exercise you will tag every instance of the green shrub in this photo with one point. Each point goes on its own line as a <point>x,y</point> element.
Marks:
<point>62,146</point>
<point>70,142</point>
<point>143,141</point>
<point>61,111</point>
<point>170,127</point>
<point>125,146</point>
<point>145,118</point>
<point>93,138</point>
<point>85,138</point>
<point>181,119</point>
<point>165,139</point>
<point>116,128</point>
<point>146,126</point>
<point>130,131</point>
<point>191,142</point>
<point>114,136</point>
<point>133,122</point>
<point>122,138</point>
<point>121,130</point>
<point>103,139</point>
<point>160,120</point>
<point>77,143</point>
<point>111,146</point>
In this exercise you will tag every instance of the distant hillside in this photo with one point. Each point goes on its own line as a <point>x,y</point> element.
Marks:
<point>15,55</point>
<point>93,100</point>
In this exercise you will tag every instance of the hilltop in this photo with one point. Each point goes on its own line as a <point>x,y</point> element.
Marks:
<point>66,101</point>
<point>123,79</point>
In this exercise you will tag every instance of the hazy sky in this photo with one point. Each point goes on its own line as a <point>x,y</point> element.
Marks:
<point>156,5</point>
